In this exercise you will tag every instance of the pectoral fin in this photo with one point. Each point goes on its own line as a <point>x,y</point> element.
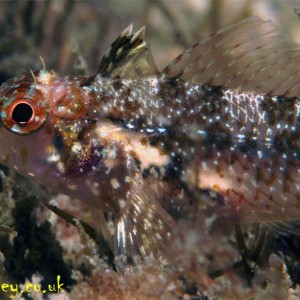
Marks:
<point>143,227</point>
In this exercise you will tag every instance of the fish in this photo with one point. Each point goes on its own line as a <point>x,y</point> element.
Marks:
<point>220,121</point>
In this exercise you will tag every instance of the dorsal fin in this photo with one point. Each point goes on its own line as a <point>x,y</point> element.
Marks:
<point>252,55</point>
<point>128,57</point>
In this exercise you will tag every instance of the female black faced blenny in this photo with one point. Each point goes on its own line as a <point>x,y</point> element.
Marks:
<point>221,120</point>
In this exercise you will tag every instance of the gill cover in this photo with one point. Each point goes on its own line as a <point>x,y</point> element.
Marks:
<point>23,107</point>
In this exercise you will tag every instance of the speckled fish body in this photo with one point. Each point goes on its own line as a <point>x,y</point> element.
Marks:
<point>223,117</point>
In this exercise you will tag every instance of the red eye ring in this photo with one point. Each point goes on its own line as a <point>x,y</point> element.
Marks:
<point>24,117</point>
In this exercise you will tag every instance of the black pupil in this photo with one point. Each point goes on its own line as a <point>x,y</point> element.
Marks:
<point>22,113</point>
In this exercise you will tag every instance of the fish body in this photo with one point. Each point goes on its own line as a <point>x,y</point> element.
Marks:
<point>222,117</point>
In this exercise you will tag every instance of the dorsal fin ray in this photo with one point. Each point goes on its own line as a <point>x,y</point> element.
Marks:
<point>128,57</point>
<point>252,55</point>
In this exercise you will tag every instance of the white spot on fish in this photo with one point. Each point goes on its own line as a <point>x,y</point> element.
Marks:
<point>259,154</point>
<point>72,187</point>
<point>115,183</point>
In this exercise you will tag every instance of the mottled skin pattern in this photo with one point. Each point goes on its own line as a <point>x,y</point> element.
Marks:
<point>245,146</point>
<point>146,145</point>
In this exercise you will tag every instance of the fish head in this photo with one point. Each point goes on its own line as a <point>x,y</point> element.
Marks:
<point>24,112</point>
<point>43,120</point>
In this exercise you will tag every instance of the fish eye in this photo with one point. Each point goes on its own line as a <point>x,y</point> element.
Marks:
<point>22,113</point>
<point>23,116</point>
